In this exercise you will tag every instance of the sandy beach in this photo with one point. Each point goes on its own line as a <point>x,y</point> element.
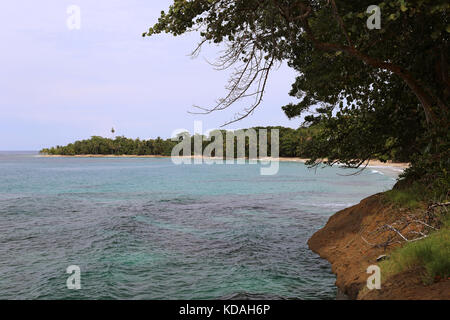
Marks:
<point>374,164</point>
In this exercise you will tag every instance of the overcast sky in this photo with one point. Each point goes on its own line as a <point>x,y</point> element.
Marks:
<point>59,85</point>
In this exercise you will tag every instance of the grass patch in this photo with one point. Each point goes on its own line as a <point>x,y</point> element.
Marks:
<point>409,198</point>
<point>413,196</point>
<point>432,253</point>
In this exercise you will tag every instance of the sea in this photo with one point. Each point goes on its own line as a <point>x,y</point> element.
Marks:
<point>145,228</point>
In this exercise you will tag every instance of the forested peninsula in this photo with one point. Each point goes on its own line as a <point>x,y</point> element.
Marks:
<point>298,143</point>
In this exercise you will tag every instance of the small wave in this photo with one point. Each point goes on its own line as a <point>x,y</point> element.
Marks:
<point>388,168</point>
<point>329,205</point>
<point>252,296</point>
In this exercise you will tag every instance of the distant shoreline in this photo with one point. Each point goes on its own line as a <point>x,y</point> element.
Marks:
<point>372,164</point>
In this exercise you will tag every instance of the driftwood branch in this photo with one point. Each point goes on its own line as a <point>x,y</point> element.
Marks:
<point>436,205</point>
<point>409,228</point>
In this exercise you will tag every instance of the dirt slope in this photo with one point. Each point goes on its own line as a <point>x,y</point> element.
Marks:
<point>349,244</point>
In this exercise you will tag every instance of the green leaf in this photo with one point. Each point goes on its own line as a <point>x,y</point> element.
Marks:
<point>435,35</point>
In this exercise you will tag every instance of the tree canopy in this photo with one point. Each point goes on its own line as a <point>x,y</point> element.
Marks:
<point>293,143</point>
<point>373,91</point>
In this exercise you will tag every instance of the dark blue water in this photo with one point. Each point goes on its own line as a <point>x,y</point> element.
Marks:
<point>147,229</point>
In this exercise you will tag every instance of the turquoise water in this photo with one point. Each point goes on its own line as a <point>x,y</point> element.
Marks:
<point>148,229</point>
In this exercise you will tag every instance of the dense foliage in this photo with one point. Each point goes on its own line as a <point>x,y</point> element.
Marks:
<point>118,146</point>
<point>292,143</point>
<point>375,93</point>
